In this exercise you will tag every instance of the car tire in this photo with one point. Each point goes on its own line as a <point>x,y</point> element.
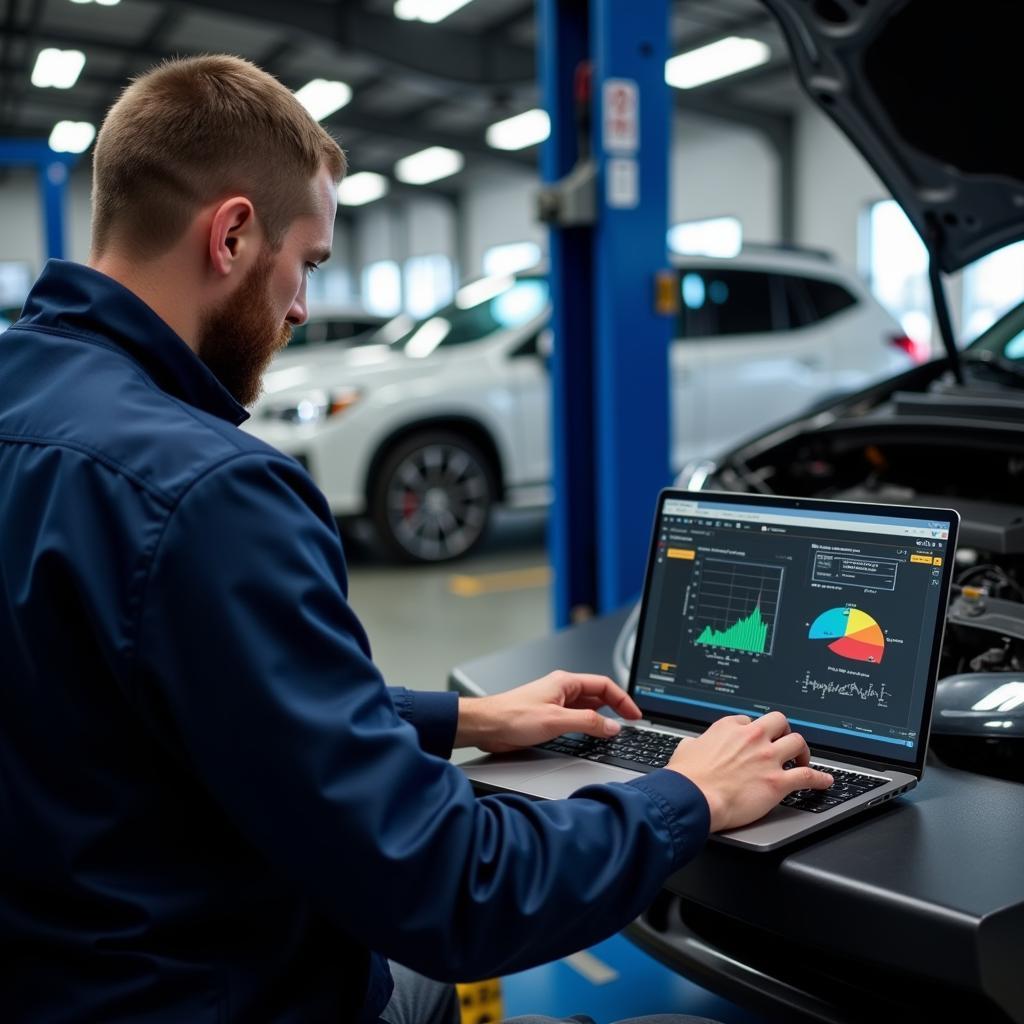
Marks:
<point>431,497</point>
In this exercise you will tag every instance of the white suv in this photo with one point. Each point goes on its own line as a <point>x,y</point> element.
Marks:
<point>429,424</point>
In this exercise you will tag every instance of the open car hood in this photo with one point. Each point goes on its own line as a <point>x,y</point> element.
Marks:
<point>927,92</point>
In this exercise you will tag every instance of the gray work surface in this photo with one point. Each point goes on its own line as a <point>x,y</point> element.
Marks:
<point>929,889</point>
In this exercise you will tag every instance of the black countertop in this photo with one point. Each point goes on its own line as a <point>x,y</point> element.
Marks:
<point>930,886</point>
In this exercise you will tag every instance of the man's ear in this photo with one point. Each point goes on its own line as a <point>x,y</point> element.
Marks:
<point>233,236</point>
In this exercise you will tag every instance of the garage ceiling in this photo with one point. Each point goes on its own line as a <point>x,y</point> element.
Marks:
<point>413,84</point>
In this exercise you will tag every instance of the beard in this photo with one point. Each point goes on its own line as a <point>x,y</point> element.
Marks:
<point>238,340</point>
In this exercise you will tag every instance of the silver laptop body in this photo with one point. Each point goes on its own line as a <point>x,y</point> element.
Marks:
<point>831,612</point>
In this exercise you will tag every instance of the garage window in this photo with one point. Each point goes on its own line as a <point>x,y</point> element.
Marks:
<point>382,287</point>
<point>429,283</point>
<point>992,285</point>
<point>510,258</point>
<point>897,268</point>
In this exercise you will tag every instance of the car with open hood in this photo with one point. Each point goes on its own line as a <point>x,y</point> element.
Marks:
<point>913,95</point>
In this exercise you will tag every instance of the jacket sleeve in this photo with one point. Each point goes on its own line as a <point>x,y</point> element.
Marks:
<point>247,642</point>
<point>434,716</point>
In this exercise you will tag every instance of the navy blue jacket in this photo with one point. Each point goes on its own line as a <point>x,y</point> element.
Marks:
<point>211,807</point>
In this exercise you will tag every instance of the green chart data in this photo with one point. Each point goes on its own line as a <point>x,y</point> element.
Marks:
<point>748,634</point>
<point>736,604</point>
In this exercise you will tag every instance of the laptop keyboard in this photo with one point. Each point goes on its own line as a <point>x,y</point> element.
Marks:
<point>645,750</point>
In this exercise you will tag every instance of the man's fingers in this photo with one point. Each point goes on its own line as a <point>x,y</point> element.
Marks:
<point>775,723</point>
<point>605,691</point>
<point>586,721</point>
<point>806,778</point>
<point>587,702</point>
<point>792,747</point>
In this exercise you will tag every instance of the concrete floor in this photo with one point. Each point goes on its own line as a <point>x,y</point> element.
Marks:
<point>424,619</point>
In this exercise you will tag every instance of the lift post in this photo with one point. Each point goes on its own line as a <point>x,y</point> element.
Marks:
<point>52,170</point>
<point>605,168</point>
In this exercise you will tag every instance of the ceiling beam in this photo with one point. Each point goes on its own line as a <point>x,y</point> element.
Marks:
<point>371,124</point>
<point>14,89</point>
<point>413,131</point>
<point>752,24</point>
<point>440,53</point>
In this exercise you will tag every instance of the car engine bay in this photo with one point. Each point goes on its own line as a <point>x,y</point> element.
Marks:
<point>923,439</point>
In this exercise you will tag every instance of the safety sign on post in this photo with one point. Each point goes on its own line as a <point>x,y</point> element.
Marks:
<point>620,101</point>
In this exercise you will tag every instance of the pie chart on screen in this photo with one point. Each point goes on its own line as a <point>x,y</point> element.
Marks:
<point>850,633</point>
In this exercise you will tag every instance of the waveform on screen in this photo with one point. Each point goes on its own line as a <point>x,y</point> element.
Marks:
<point>748,634</point>
<point>863,691</point>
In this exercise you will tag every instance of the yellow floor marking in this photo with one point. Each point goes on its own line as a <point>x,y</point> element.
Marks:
<point>493,582</point>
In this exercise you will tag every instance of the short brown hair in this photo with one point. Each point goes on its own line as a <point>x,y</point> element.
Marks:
<point>193,130</point>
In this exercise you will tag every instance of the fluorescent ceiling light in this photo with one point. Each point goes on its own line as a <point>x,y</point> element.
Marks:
<point>72,136</point>
<point>58,69</point>
<point>431,11</point>
<point>429,165</point>
<point>716,236</point>
<point>322,98</point>
<point>526,129</point>
<point>361,188</point>
<point>102,3</point>
<point>716,60</point>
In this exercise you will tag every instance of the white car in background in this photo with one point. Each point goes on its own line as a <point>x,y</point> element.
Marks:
<point>428,425</point>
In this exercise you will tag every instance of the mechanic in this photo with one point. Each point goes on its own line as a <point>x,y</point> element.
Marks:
<point>212,807</point>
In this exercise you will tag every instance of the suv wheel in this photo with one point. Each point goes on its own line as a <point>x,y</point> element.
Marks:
<point>431,498</point>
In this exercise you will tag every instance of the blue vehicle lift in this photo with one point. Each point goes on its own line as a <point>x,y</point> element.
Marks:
<point>53,170</point>
<point>605,169</point>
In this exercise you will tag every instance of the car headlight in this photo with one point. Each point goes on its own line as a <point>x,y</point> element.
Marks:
<point>312,407</point>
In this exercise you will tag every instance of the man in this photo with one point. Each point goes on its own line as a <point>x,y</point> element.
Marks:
<point>212,809</point>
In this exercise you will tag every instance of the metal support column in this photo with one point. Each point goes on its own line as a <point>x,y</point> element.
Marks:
<point>610,369</point>
<point>573,523</point>
<point>629,43</point>
<point>52,170</point>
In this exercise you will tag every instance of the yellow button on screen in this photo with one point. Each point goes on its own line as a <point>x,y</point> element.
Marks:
<point>936,561</point>
<point>922,559</point>
<point>686,553</point>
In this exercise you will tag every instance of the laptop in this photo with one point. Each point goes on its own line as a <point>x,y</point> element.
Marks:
<point>830,611</point>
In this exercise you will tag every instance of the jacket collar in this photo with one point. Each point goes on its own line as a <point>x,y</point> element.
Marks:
<point>77,299</point>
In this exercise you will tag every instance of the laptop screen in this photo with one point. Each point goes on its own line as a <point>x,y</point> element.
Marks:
<point>831,612</point>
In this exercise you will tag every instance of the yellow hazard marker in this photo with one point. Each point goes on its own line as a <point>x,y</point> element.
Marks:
<point>495,582</point>
<point>481,1001</point>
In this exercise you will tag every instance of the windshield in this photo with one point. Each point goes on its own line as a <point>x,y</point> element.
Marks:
<point>1004,340</point>
<point>480,309</point>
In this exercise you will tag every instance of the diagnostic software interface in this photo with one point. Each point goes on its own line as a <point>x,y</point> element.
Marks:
<point>828,617</point>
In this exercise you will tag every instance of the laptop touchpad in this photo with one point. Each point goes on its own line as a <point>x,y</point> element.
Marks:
<point>560,783</point>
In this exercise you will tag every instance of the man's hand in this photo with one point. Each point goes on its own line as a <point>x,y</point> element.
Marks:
<point>738,766</point>
<point>539,711</point>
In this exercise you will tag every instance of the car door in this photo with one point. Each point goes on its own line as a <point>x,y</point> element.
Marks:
<point>528,370</point>
<point>739,364</point>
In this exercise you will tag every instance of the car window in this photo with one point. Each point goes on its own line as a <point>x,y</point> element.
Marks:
<point>800,311</point>
<point>479,311</point>
<point>722,302</point>
<point>318,330</point>
<point>1015,347</point>
<point>828,297</point>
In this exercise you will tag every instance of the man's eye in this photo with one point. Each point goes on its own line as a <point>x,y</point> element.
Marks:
<point>312,268</point>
